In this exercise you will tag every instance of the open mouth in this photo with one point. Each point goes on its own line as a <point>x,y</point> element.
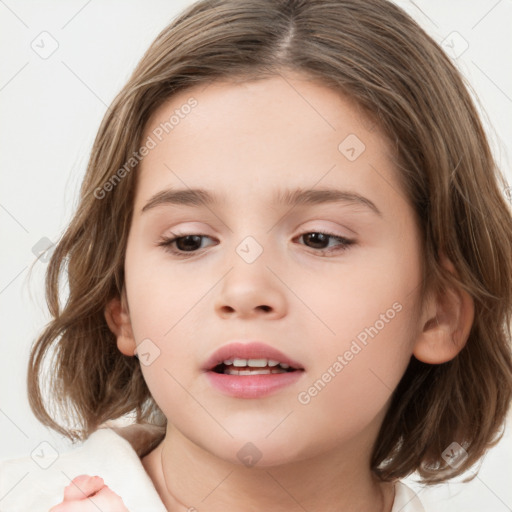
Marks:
<point>251,370</point>
<point>262,366</point>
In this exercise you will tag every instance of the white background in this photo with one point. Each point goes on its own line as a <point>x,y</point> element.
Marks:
<point>51,109</point>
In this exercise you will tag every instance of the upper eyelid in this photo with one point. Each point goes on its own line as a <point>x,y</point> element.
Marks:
<point>329,230</point>
<point>325,231</point>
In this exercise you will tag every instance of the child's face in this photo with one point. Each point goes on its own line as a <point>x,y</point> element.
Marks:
<point>347,316</point>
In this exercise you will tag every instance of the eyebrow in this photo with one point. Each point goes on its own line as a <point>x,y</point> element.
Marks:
<point>201,197</point>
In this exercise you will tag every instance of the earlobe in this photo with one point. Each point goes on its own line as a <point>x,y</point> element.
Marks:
<point>446,325</point>
<point>118,320</point>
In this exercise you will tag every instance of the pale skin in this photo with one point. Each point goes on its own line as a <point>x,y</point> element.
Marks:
<point>245,141</point>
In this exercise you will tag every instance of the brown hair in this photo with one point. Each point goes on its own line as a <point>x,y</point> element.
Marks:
<point>374,53</point>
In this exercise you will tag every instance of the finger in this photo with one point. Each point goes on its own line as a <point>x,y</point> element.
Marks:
<point>83,486</point>
<point>108,501</point>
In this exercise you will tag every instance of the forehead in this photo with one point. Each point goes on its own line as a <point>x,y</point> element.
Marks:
<point>256,137</point>
<point>296,99</point>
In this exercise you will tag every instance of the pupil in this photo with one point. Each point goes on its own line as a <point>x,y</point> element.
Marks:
<point>185,247</point>
<point>316,236</point>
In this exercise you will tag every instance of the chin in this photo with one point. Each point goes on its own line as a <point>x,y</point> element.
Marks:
<point>260,452</point>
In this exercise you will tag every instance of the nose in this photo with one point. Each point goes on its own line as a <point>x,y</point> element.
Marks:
<point>251,291</point>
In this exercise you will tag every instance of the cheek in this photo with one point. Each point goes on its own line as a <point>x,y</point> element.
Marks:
<point>373,296</point>
<point>351,382</point>
<point>367,338</point>
<point>160,306</point>
<point>162,294</point>
<point>358,375</point>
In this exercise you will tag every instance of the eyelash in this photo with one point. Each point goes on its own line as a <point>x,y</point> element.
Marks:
<point>166,243</point>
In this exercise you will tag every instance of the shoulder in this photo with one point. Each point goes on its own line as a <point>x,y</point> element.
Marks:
<point>37,484</point>
<point>406,500</point>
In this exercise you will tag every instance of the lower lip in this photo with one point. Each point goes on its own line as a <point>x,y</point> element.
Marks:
<point>252,386</point>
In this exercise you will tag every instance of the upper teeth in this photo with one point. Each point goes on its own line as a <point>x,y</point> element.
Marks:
<point>258,363</point>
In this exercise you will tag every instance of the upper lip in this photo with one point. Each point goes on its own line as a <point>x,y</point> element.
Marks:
<point>248,350</point>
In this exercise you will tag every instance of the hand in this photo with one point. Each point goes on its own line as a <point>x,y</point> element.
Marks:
<point>89,494</point>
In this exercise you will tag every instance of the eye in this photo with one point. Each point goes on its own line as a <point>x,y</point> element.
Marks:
<point>186,243</point>
<point>191,243</point>
<point>320,240</point>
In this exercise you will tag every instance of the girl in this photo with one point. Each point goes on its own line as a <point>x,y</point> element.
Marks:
<point>292,260</point>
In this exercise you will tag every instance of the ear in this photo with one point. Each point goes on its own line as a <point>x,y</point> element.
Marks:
<point>446,323</point>
<point>118,320</point>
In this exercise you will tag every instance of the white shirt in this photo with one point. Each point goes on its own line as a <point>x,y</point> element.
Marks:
<point>38,484</point>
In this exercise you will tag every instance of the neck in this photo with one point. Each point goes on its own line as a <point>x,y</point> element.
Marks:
<point>187,477</point>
